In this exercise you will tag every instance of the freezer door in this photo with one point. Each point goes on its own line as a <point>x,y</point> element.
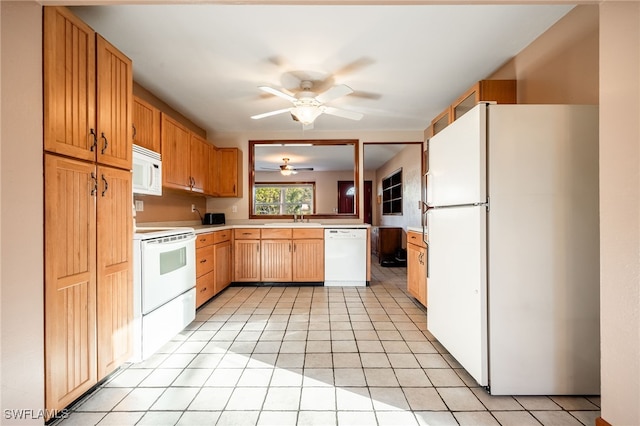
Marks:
<point>457,161</point>
<point>457,283</point>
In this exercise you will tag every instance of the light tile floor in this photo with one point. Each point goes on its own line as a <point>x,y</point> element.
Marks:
<point>312,356</point>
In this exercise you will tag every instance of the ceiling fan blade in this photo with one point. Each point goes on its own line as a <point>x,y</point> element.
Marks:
<point>351,115</point>
<point>278,93</point>
<point>269,114</point>
<point>303,169</point>
<point>334,93</point>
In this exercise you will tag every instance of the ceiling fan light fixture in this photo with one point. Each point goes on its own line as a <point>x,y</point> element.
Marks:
<point>287,172</point>
<point>306,114</point>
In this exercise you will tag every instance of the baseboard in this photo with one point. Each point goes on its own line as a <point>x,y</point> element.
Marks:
<point>602,422</point>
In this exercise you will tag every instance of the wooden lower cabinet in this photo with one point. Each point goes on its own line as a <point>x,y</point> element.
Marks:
<point>204,268</point>
<point>276,260</point>
<point>417,267</point>
<point>223,257</point>
<point>308,255</point>
<point>213,264</point>
<point>88,275</point>
<point>279,255</point>
<point>115,268</point>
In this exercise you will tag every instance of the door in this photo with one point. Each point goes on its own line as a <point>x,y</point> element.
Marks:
<point>276,260</point>
<point>346,196</point>
<point>114,101</point>
<point>199,163</point>
<point>115,269</point>
<point>308,260</point>
<point>246,255</point>
<point>457,314</point>
<point>227,166</point>
<point>175,154</point>
<point>457,162</point>
<point>70,279</point>
<point>69,85</point>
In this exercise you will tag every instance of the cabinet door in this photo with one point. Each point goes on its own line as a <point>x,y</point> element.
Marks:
<point>276,260</point>
<point>199,163</point>
<point>212,172</point>
<point>146,125</point>
<point>222,255</point>
<point>204,288</point>
<point>417,272</point>
<point>114,102</point>
<point>69,85</point>
<point>247,260</point>
<point>114,268</point>
<point>227,165</point>
<point>70,280</point>
<point>175,154</point>
<point>308,260</point>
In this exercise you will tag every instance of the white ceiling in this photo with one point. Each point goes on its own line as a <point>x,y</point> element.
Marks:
<point>405,63</point>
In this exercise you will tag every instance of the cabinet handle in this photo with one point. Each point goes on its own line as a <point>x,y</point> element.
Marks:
<point>294,247</point>
<point>106,185</point>
<point>289,247</point>
<point>106,143</point>
<point>94,190</point>
<point>94,144</point>
<point>203,261</point>
<point>135,131</point>
<point>258,247</point>
<point>203,289</point>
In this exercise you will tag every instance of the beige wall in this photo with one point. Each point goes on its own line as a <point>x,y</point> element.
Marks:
<point>410,160</point>
<point>560,66</point>
<point>21,210</point>
<point>620,211</point>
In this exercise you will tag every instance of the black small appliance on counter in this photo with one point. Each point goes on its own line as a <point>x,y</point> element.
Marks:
<point>213,219</point>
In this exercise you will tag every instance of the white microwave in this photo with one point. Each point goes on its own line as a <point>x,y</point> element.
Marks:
<point>147,171</point>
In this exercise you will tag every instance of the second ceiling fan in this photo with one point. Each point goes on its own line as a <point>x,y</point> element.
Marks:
<point>307,105</point>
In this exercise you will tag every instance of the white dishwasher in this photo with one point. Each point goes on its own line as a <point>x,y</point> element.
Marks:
<point>345,257</point>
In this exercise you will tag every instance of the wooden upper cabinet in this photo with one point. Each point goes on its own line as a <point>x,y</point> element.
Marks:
<point>499,91</point>
<point>441,121</point>
<point>114,268</point>
<point>146,125</point>
<point>199,163</point>
<point>88,88</point>
<point>114,104</point>
<point>175,139</point>
<point>228,167</point>
<point>69,85</point>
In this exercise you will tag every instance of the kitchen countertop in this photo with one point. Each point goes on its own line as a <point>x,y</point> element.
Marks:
<point>200,229</point>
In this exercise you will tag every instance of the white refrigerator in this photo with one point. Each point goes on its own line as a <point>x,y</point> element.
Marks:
<point>513,247</point>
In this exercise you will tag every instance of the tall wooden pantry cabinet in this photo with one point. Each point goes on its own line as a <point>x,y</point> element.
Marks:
<point>88,207</point>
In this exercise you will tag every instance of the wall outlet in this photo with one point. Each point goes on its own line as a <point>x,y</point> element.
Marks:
<point>139,205</point>
<point>234,209</point>
<point>193,208</point>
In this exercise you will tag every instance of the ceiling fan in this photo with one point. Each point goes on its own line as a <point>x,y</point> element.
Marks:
<point>287,169</point>
<point>307,105</point>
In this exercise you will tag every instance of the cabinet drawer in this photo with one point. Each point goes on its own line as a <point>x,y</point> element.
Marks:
<point>204,260</point>
<point>221,236</point>
<point>246,234</point>
<point>204,288</point>
<point>415,238</point>
<point>276,233</point>
<point>305,234</point>
<point>203,240</point>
